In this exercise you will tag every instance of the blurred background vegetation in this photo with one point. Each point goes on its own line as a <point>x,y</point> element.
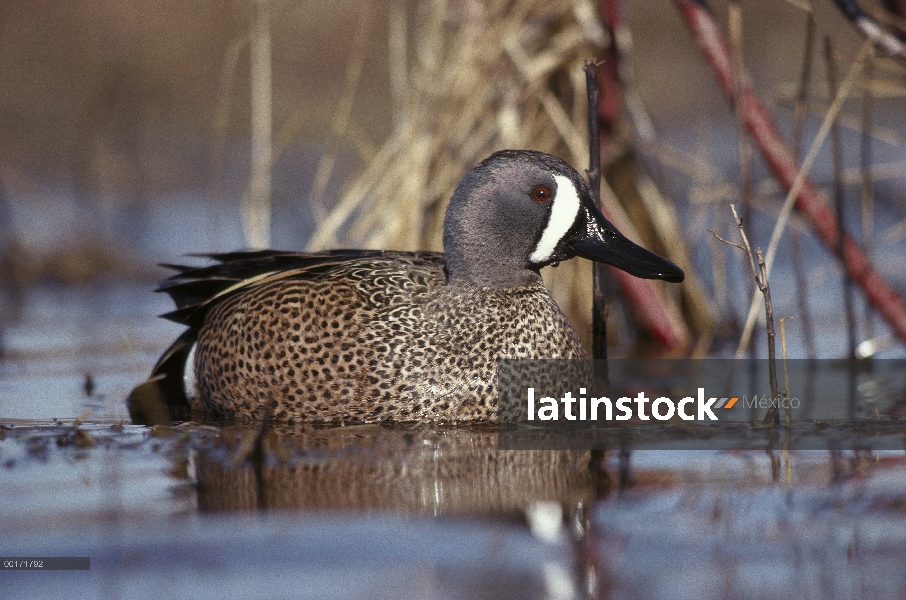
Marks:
<point>126,128</point>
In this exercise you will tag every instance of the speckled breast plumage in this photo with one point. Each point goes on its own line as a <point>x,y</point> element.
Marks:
<point>371,335</point>
<point>372,339</point>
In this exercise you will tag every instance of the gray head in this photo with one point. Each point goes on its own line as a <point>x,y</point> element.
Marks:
<point>520,210</point>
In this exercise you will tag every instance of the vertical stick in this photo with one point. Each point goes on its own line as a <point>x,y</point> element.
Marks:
<point>786,377</point>
<point>744,150</point>
<point>760,273</point>
<point>594,129</point>
<point>802,292</point>
<point>599,308</point>
<point>257,211</point>
<point>868,218</point>
<point>719,264</point>
<point>801,107</point>
<point>773,415</point>
<point>837,152</point>
<point>734,17</point>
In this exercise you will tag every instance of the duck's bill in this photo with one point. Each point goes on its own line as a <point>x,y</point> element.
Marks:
<point>600,241</point>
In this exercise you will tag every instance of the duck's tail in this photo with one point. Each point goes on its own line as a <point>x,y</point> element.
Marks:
<point>167,394</point>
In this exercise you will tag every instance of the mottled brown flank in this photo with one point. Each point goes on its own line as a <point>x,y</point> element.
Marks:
<point>373,340</point>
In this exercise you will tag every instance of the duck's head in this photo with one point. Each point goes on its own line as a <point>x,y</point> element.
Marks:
<point>520,210</point>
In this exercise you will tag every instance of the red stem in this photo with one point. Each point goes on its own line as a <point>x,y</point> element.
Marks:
<point>648,305</point>
<point>780,158</point>
<point>649,309</point>
<point>609,85</point>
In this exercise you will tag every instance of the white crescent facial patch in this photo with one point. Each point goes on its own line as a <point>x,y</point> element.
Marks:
<point>565,208</point>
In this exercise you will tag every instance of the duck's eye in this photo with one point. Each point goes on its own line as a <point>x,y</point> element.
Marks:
<point>541,194</point>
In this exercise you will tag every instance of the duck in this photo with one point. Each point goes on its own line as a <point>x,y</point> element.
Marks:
<point>390,336</point>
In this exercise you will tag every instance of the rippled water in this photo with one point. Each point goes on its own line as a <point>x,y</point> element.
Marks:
<point>199,511</point>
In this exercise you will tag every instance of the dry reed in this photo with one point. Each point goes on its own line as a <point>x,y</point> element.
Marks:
<point>476,78</point>
<point>256,206</point>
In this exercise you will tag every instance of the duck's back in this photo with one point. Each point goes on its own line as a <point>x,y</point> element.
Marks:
<point>377,337</point>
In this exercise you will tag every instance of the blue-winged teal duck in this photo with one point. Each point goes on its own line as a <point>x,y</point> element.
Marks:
<point>378,335</point>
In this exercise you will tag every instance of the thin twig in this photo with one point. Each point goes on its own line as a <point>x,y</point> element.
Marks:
<point>802,192</point>
<point>799,184</point>
<point>748,248</point>
<point>599,275</point>
<point>734,19</point>
<point>734,23</point>
<point>727,242</point>
<point>594,129</point>
<point>839,192</point>
<point>760,275</point>
<point>867,204</point>
<point>773,416</point>
<point>801,108</point>
<point>786,376</point>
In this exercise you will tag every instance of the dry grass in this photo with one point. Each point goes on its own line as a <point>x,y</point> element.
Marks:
<point>479,78</point>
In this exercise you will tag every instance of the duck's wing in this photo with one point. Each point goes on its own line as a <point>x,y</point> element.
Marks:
<point>196,290</point>
<point>164,397</point>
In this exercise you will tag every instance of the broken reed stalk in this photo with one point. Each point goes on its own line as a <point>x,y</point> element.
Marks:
<point>599,306</point>
<point>839,192</point>
<point>800,110</point>
<point>760,274</point>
